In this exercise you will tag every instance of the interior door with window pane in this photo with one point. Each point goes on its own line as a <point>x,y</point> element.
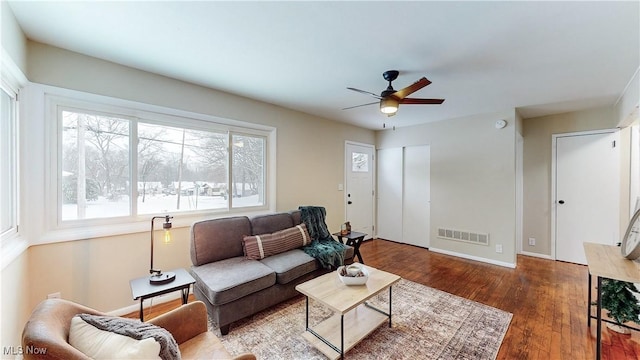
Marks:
<point>359,188</point>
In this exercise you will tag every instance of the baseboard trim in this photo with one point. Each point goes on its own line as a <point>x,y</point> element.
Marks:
<point>147,304</point>
<point>532,254</point>
<point>472,257</point>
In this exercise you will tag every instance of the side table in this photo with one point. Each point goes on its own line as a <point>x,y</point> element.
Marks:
<point>142,289</point>
<point>354,239</point>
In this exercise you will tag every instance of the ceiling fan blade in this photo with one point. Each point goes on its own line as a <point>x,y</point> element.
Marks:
<point>421,101</point>
<point>402,93</point>
<point>366,92</point>
<point>351,107</point>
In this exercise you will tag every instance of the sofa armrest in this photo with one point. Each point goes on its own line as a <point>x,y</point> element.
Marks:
<point>185,322</point>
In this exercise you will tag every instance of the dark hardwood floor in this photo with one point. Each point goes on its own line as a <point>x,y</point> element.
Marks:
<point>548,300</point>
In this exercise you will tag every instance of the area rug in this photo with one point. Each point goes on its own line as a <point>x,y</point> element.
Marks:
<point>427,324</point>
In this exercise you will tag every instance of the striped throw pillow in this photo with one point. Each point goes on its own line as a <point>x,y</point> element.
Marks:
<point>260,246</point>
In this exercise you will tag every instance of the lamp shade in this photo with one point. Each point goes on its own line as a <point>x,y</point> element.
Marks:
<point>389,105</point>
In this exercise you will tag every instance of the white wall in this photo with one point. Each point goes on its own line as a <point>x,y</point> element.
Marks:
<point>472,180</point>
<point>14,43</point>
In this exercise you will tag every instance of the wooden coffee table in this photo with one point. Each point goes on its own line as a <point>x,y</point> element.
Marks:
<point>352,312</point>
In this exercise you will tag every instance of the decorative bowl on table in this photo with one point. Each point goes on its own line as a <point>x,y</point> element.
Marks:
<point>354,274</point>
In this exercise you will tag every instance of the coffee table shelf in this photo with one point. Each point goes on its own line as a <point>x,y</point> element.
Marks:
<point>358,324</point>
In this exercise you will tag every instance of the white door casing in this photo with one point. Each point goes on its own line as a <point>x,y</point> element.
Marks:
<point>585,192</point>
<point>359,194</point>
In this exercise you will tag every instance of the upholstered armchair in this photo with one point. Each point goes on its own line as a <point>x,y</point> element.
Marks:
<point>49,324</point>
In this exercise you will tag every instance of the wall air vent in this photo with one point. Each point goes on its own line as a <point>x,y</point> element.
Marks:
<point>463,235</point>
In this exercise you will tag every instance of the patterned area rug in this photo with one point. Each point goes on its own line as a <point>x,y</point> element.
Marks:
<point>427,324</point>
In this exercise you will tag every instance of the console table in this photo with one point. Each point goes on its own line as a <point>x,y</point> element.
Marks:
<point>606,261</point>
<point>354,239</point>
<point>142,289</point>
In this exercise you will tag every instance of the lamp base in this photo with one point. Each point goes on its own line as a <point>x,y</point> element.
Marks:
<point>162,278</point>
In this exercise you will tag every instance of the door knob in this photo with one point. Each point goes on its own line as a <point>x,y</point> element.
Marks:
<point>561,202</point>
<point>349,202</point>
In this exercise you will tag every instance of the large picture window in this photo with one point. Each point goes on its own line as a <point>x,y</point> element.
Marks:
<point>113,164</point>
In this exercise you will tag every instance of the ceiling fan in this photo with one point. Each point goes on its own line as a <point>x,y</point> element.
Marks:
<point>390,99</point>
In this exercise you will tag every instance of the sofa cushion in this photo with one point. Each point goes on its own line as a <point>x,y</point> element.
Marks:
<point>290,265</point>
<point>270,223</point>
<point>218,239</point>
<point>261,246</point>
<point>230,279</point>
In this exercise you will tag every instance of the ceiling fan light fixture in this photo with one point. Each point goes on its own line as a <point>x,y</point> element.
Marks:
<point>388,105</point>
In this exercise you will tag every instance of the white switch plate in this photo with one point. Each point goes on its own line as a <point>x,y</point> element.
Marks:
<point>499,248</point>
<point>532,242</point>
<point>340,187</point>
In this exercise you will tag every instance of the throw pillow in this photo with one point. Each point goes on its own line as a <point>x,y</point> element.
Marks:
<point>109,337</point>
<point>258,247</point>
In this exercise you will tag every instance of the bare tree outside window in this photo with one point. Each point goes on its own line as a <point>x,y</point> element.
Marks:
<point>175,169</point>
<point>95,166</point>
<point>180,169</point>
<point>248,170</point>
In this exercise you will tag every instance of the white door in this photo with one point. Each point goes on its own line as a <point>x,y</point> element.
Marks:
<point>389,194</point>
<point>359,187</point>
<point>587,192</point>
<point>416,207</point>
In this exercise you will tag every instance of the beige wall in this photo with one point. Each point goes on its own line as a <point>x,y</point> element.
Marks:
<point>537,134</point>
<point>96,271</point>
<point>472,180</point>
<point>14,305</point>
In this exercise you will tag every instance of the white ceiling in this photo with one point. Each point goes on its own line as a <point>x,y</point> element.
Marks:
<point>538,57</point>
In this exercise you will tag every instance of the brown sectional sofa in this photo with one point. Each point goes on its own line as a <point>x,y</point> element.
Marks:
<point>233,287</point>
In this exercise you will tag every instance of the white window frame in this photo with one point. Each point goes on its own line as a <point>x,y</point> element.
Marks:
<point>12,80</point>
<point>12,158</point>
<point>57,230</point>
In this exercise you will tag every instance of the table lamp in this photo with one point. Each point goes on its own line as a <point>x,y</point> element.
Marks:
<point>157,276</point>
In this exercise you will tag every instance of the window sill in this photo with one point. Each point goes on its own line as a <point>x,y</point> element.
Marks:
<point>91,232</point>
<point>11,249</point>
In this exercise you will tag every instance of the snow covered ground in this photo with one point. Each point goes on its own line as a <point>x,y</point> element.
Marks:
<point>154,204</point>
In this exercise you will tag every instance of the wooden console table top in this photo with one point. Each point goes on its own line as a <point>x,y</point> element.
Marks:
<point>606,261</point>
